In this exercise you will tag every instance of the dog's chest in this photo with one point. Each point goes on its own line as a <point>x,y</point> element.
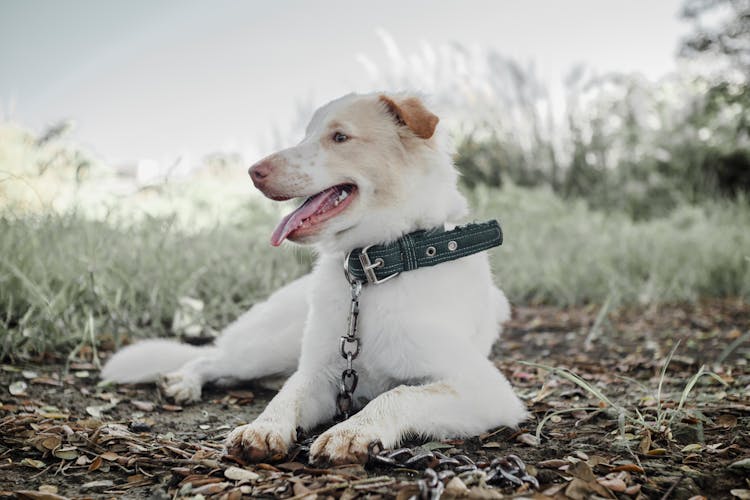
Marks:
<point>407,327</point>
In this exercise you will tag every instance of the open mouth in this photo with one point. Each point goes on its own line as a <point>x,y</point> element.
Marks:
<point>313,212</point>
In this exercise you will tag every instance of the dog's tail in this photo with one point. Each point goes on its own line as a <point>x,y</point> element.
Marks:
<point>146,360</point>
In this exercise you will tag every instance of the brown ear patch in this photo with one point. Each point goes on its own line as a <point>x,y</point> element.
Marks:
<point>411,112</point>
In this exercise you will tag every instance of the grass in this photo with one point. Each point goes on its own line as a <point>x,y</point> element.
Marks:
<point>560,252</point>
<point>663,419</point>
<point>67,280</point>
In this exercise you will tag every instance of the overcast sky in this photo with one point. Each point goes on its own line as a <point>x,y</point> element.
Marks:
<point>156,78</point>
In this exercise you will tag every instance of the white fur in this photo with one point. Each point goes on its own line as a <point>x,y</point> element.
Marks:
<point>425,335</point>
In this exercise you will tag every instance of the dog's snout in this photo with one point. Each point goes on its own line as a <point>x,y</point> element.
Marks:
<point>260,171</point>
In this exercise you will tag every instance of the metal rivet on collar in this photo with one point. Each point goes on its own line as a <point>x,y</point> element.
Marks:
<point>452,245</point>
<point>430,251</point>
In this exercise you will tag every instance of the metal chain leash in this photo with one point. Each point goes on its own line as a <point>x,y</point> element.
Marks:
<point>349,347</point>
<point>438,469</point>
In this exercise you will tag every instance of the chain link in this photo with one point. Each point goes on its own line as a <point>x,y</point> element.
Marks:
<point>349,347</point>
<point>438,469</point>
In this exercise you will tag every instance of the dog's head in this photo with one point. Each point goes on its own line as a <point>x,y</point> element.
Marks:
<point>370,168</point>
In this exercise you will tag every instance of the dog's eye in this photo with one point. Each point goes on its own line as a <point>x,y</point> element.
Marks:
<point>339,137</point>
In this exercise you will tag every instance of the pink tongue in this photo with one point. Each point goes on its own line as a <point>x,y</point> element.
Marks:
<point>293,220</point>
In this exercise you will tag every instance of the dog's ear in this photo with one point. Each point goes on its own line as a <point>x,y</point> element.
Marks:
<point>410,111</point>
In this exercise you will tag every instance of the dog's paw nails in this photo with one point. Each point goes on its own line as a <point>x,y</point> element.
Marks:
<point>180,388</point>
<point>341,446</point>
<point>257,443</point>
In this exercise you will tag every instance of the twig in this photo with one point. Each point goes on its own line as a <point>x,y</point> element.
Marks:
<point>671,488</point>
<point>347,484</point>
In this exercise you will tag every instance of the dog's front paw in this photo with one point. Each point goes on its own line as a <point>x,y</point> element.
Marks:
<point>258,442</point>
<point>342,444</point>
<point>181,387</point>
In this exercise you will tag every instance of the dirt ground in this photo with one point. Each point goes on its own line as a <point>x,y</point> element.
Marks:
<point>610,436</point>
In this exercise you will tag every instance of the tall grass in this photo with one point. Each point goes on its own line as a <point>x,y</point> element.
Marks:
<point>561,252</point>
<point>60,274</point>
<point>57,271</point>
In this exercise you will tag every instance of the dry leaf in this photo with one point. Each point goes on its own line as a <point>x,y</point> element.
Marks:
<point>210,489</point>
<point>51,442</point>
<point>244,396</point>
<point>578,489</point>
<point>528,439</point>
<point>300,489</point>
<point>645,443</point>
<point>95,464</point>
<point>692,448</point>
<point>55,415</point>
<point>96,485</point>
<point>109,456</point>
<point>554,489</point>
<point>628,468</point>
<point>98,410</point>
<point>143,405</point>
<point>582,471</point>
<point>741,464</point>
<point>615,484</point>
<point>238,474</point>
<point>30,462</point>
<point>727,421</point>
<point>291,466</point>
<point>595,460</point>
<point>633,490</point>
<point>68,453</point>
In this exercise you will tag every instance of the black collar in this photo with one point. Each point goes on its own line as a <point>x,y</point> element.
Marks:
<point>378,263</point>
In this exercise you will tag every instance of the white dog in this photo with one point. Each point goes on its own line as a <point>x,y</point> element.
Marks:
<point>372,168</point>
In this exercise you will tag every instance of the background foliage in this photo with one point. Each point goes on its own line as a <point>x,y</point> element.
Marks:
<point>625,191</point>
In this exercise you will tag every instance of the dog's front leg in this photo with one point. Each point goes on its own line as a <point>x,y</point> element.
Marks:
<point>463,404</point>
<point>305,400</point>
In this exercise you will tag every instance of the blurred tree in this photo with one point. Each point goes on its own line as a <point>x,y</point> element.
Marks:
<point>721,37</point>
<point>721,28</point>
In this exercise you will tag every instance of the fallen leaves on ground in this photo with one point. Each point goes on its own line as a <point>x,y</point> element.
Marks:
<point>61,435</point>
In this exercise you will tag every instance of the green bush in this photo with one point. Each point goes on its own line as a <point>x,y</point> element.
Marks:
<point>635,147</point>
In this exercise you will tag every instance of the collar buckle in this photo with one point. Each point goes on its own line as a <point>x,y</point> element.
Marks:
<point>369,267</point>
